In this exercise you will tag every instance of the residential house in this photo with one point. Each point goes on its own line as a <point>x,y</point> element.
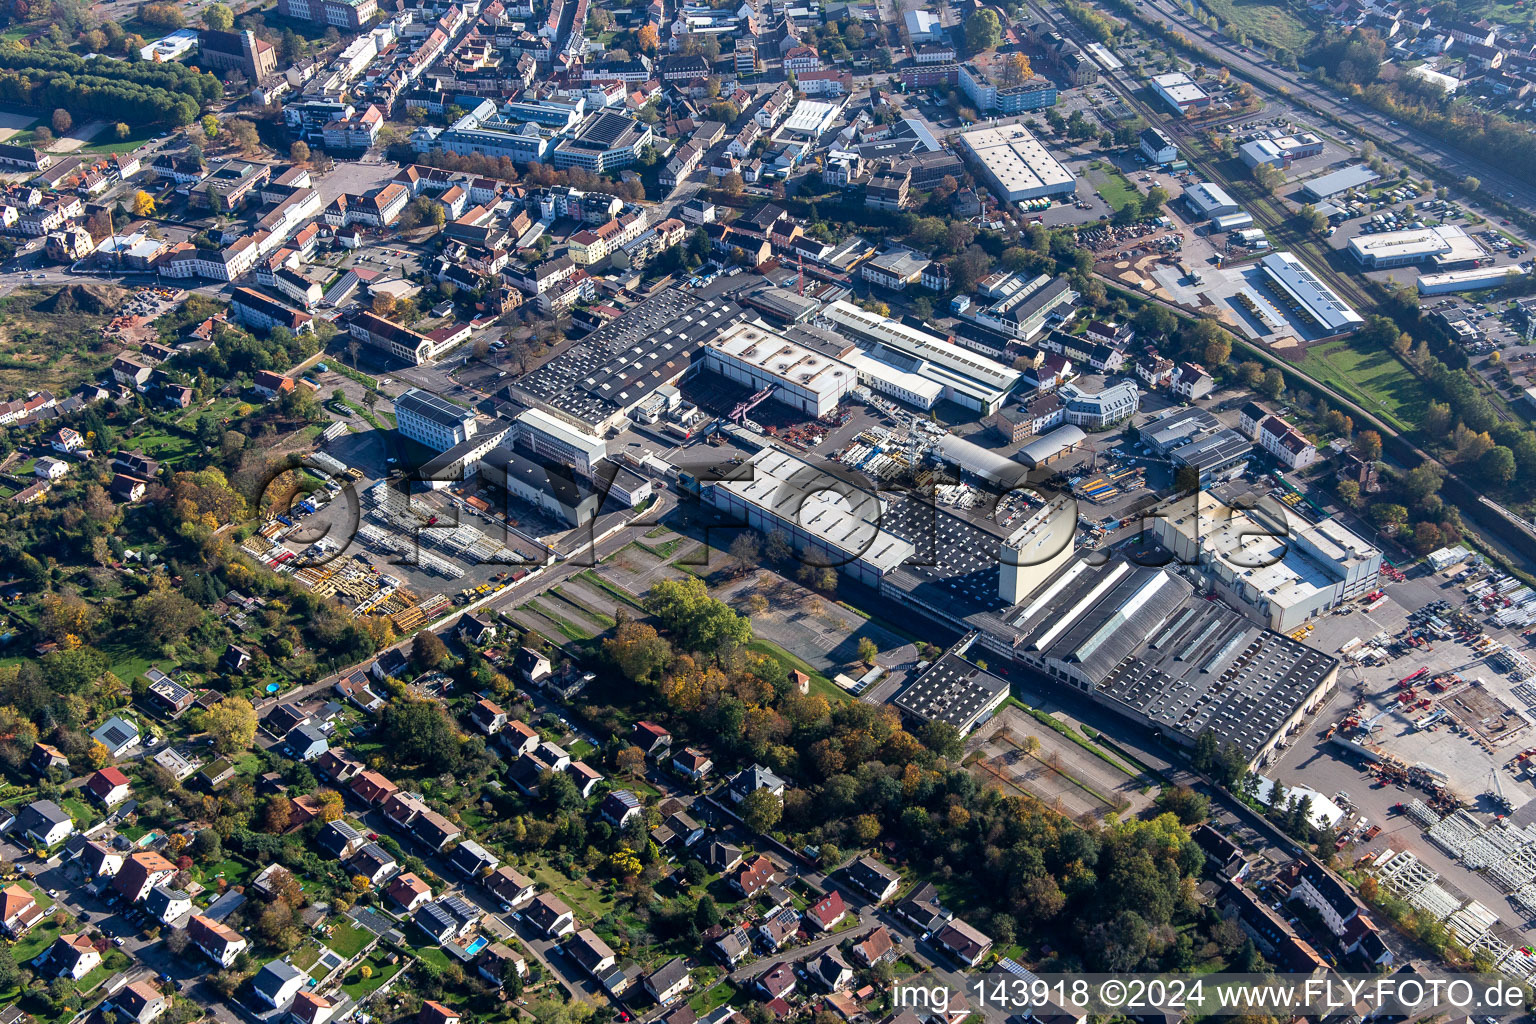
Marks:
<point>374,863</point>
<point>276,984</point>
<point>45,822</point>
<point>489,717</point>
<point>166,904</point>
<point>18,911</point>
<point>750,780</point>
<point>409,892</point>
<point>751,878</point>
<point>692,764</point>
<point>141,872</point>
<point>109,787</point>
<point>510,886</point>
<point>73,956</point>
<point>550,915</point>
<point>872,878</point>
<point>590,952</point>
<point>472,860</point>
<point>651,738</point>
<point>827,912</point>
<point>218,941</point>
<point>962,941</point>
<point>668,981</point>
<point>620,807</point>
<point>874,948</point>
<point>139,1003</point>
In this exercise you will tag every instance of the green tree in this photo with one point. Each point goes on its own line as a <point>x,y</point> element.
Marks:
<point>983,30</point>
<point>761,810</point>
<point>1496,466</point>
<point>685,608</point>
<point>218,17</point>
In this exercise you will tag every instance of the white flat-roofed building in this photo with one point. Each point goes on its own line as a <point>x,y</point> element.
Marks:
<point>923,26</point>
<point>811,118</point>
<point>560,441</point>
<point>830,520</point>
<point>892,377</point>
<point>1445,245</point>
<point>1472,280</point>
<point>1015,165</point>
<point>1306,292</point>
<point>1209,200</point>
<point>1280,150</point>
<point>754,354</point>
<point>968,379</point>
<point>1180,92</point>
<point>1269,557</point>
<point>432,421</point>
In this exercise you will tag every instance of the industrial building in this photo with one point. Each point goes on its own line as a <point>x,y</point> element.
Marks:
<point>953,690</point>
<point>1157,147</point>
<point>829,520</point>
<point>1217,456</point>
<point>1180,92</point>
<point>1177,429</point>
<point>1047,448</point>
<point>1024,304</point>
<point>811,118</point>
<point>601,379</point>
<point>966,378</point>
<point>1328,185</point>
<point>1445,246</point>
<point>1306,294</point>
<point>1136,639</point>
<point>1268,557</point>
<point>754,354</point>
<point>552,489</point>
<point>1207,200</point>
<point>1281,150</point>
<point>1139,641</point>
<point>560,441</point>
<point>1475,279</point>
<point>1015,165</point>
<point>434,422</point>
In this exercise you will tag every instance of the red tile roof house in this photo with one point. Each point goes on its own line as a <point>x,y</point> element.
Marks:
<point>109,786</point>
<point>826,912</point>
<point>751,878</point>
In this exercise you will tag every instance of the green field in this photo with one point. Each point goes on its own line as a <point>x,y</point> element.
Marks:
<point>1115,187</point>
<point>106,140</point>
<point>1264,20</point>
<point>1375,380</point>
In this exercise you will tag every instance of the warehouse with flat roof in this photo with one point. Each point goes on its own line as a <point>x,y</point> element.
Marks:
<point>1472,280</point>
<point>830,520</point>
<point>1180,92</point>
<point>753,354</point>
<point>1445,246</point>
<point>953,690</point>
<point>1015,165</point>
<point>1327,185</point>
<point>1306,294</point>
<point>967,378</point>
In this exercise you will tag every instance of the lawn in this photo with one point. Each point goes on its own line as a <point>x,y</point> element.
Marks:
<point>232,871</point>
<point>1115,187</point>
<point>348,940</point>
<point>106,140</point>
<point>708,999</point>
<point>588,902</point>
<point>819,683</point>
<point>1375,380</point>
<point>163,445</point>
<point>1265,20</point>
<point>359,987</point>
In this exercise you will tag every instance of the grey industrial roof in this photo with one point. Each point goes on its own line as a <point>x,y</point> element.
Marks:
<point>1048,446</point>
<point>429,406</point>
<point>952,690</point>
<point>1217,450</point>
